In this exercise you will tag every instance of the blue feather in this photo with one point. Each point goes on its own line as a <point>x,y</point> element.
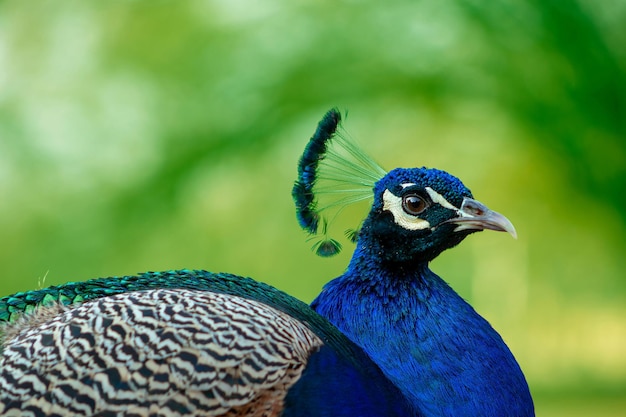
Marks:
<point>348,391</point>
<point>444,357</point>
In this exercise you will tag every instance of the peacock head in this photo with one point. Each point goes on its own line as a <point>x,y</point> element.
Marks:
<point>416,212</point>
<point>419,212</point>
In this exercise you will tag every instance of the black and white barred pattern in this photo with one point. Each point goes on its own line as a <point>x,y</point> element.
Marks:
<point>155,353</point>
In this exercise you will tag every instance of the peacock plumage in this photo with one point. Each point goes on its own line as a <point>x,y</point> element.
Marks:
<point>387,338</point>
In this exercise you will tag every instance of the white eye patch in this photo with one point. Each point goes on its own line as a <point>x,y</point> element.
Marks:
<point>393,204</point>
<point>438,198</point>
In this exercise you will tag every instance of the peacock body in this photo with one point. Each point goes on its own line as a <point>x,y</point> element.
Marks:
<point>387,338</point>
<point>176,343</point>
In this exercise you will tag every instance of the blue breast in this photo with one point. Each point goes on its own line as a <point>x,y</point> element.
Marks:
<point>444,357</point>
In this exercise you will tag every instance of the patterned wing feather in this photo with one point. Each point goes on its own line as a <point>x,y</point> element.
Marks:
<point>175,352</point>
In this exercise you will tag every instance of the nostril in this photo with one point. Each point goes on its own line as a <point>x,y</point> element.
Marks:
<point>473,208</point>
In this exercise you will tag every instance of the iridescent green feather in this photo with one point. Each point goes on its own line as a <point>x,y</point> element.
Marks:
<point>16,306</point>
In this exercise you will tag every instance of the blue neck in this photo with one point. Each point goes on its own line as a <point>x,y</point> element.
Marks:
<point>444,357</point>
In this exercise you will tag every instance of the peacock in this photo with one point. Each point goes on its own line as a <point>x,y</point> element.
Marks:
<point>388,337</point>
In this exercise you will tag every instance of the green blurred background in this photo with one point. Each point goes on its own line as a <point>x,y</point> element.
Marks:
<point>157,135</point>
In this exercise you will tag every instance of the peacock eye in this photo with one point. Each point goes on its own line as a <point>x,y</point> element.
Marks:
<point>413,204</point>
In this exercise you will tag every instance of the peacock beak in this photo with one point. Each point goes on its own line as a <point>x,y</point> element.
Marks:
<point>474,215</point>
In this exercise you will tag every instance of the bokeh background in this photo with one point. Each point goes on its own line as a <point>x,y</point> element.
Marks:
<point>149,135</point>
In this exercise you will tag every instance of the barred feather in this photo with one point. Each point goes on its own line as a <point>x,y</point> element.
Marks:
<point>175,352</point>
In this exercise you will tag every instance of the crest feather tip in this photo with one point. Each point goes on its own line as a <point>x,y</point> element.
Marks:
<point>327,248</point>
